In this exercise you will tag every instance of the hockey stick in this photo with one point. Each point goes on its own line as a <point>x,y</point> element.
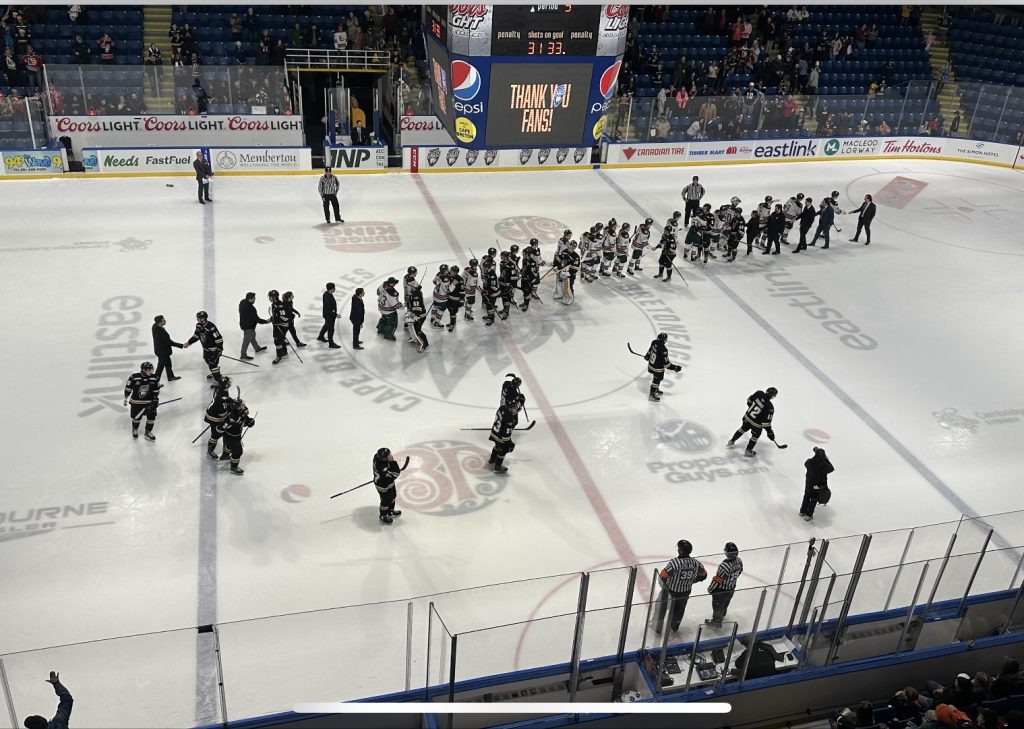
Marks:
<point>139,418</point>
<point>251,364</point>
<point>680,274</point>
<point>404,466</point>
<point>247,427</point>
<point>630,348</point>
<point>201,434</point>
<point>780,446</point>
<point>290,344</point>
<point>528,427</point>
<point>168,402</point>
<point>838,229</point>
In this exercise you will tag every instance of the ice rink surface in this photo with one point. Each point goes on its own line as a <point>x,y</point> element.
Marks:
<point>901,358</point>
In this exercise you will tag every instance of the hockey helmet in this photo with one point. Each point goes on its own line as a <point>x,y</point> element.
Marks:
<point>411,270</point>
<point>835,193</point>
<point>663,337</point>
<point>613,221</point>
<point>595,229</point>
<point>454,270</point>
<point>504,255</point>
<point>566,233</point>
<point>573,244</point>
<point>513,249</point>
<point>382,453</point>
<point>599,226</point>
<point>767,198</point>
<point>391,281</point>
<point>492,252</point>
<point>647,222</point>
<point>684,547</point>
<point>201,315</point>
<point>799,196</point>
<point>771,392</point>
<point>147,366</point>
<point>534,242</point>
<point>224,383</point>
<point>443,268</point>
<point>706,206</point>
<point>734,201</point>
<point>624,226</point>
<point>677,214</point>
<point>273,295</point>
<point>668,229</point>
<point>473,263</point>
<point>516,382</point>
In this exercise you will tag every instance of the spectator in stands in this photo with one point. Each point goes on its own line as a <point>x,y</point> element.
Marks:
<point>235,27</point>
<point>915,15</point>
<point>263,52</point>
<point>315,40</point>
<point>883,128</point>
<point>954,125</point>
<point>802,74</point>
<point>707,112</point>
<point>81,53</point>
<point>277,53</point>
<point>909,704</point>
<point>240,56</point>
<point>872,36</point>
<point>196,65</point>
<point>106,45</point>
<point>712,76</point>
<point>864,714</point>
<point>12,68</point>
<point>340,38</point>
<point>860,36</point>
<point>355,36</point>
<point>360,137</point>
<point>296,38</point>
<point>904,14</point>
<point>812,79</point>
<point>174,37</point>
<point>22,38</point>
<point>64,706</point>
<point>695,131</point>
<point>1008,682</point>
<point>929,40</point>
<point>55,98</point>
<point>944,76</point>
<point>188,42</point>
<point>201,97</point>
<point>6,111</point>
<point>251,22</point>
<point>155,66</point>
<point>184,105</point>
<point>122,106</point>
<point>74,13</point>
<point>887,71</point>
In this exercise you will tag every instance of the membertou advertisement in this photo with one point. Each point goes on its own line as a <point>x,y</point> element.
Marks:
<point>423,130</point>
<point>357,158</point>
<point>436,159</point>
<point>229,130</point>
<point>261,159</point>
<point>34,162</point>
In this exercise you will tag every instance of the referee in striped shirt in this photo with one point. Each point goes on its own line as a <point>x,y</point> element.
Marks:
<point>692,194</point>
<point>677,580</point>
<point>723,584</point>
<point>328,189</point>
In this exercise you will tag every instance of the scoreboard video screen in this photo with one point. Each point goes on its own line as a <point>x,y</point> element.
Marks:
<point>537,104</point>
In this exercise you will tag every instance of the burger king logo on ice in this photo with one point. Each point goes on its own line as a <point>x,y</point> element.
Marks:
<point>356,236</point>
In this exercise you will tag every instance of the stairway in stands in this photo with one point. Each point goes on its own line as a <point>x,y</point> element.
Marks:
<point>949,97</point>
<point>156,21</point>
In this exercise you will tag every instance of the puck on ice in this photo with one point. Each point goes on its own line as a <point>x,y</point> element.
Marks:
<point>295,493</point>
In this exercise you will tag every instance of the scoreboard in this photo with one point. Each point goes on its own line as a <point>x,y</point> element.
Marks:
<point>524,75</point>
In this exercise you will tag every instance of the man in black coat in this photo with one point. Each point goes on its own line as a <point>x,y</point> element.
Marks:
<point>806,218</point>
<point>203,175</point>
<point>866,213</point>
<point>162,344</point>
<point>776,226</point>
<point>356,316</point>
<point>330,314</point>
<point>818,468</point>
<point>360,137</point>
<point>248,318</point>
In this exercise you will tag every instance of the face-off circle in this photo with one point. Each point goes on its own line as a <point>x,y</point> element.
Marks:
<point>817,436</point>
<point>448,478</point>
<point>521,228</point>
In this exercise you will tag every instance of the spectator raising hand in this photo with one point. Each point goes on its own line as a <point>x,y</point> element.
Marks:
<point>63,715</point>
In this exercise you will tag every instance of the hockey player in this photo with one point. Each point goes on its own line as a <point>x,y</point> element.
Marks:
<point>657,361</point>
<point>641,239</point>
<point>563,242</point>
<point>513,254</point>
<point>758,416</point>
<point>456,295</point>
<point>470,284</point>
<point>792,210</point>
<point>712,234</point>
<point>608,246</point>
<point>753,229</point>
<point>674,221</point>
<point>441,285</point>
<point>385,474</point>
<point>590,253</point>
<point>734,232</point>
<point>574,265</point>
<point>216,412</point>
<point>489,290</point>
<point>415,315</point>
<point>505,421</point>
<point>621,250</point>
<point>668,254</point>
<point>565,265</point>
<point>232,428</point>
<point>510,390</point>
<point>533,251</point>
<point>388,306</point>
<point>764,209</point>
<point>835,202</point>
<point>407,281</point>
<point>530,279</point>
<point>492,256</point>
<point>210,338</point>
<point>142,391</point>
<point>279,321</point>
<point>694,235</point>
<point>508,278</point>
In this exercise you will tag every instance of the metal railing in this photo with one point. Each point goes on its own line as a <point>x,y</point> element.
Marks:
<point>329,59</point>
<point>809,594</point>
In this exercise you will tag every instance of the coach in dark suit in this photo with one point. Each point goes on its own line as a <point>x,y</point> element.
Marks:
<point>203,175</point>
<point>356,316</point>
<point>866,213</point>
<point>330,314</point>
<point>162,344</point>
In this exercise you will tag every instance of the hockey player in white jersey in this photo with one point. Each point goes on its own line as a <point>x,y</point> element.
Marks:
<point>791,210</point>
<point>641,239</point>
<point>621,250</point>
<point>608,246</point>
<point>441,284</point>
<point>470,284</point>
<point>763,211</point>
<point>563,242</point>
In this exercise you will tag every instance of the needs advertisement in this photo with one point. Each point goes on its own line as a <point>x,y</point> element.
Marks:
<point>138,159</point>
<point>228,130</point>
<point>436,159</point>
<point>33,162</point>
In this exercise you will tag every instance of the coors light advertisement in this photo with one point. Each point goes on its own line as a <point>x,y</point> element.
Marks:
<point>611,37</point>
<point>469,29</point>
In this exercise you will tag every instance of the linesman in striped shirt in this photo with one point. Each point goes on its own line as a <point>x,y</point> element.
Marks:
<point>692,194</point>
<point>328,189</point>
<point>677,580</point>
<point>723,584</point>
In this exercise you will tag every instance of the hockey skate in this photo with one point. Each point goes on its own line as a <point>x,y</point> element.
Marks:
<point>654,397</point>
<point>149,436</point>
<point>395,512</point>
<point>225,456</point>
<point>386,518</point>
<point>468,316</point>
<point>236,470</point>
<point>730,444</point>
<point>275,361</point>
<point>210,452</point>
<point>749,453</point>
<point>500,469</point>
<point>451,327</point>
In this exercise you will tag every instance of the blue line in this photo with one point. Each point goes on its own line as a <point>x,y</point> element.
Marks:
<point>207,708</point>
<point>926,473</point>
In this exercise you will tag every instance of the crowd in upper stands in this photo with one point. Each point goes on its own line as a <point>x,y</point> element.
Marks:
<point>981,700</point>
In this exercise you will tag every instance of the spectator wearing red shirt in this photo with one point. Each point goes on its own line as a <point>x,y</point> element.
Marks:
<point>106,45</point>
<point>33,64</point>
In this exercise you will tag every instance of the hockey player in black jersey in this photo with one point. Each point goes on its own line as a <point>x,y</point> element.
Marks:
<point>142,391</point>
<point>505,421</point>
<point>209,336</point>
<point>657,363</point>
<point>415,315</point>
<point>385,474</point>
<point>508,279</point>
<point>530,279</point>
<point>234,424</point>
<point>279,320</point>
<point>488,290</point>
<point>758,416</point>
<point>456,295</point>
<point>510,390</point>
<point>216,413</point>
<point>668,254</point>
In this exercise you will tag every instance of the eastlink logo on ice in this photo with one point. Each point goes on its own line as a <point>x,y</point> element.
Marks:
<point>791,148</point>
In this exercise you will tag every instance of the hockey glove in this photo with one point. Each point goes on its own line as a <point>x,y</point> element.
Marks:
<point>511,447</point>
<point>675,367</point>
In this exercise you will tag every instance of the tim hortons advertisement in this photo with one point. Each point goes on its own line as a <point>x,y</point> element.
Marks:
<point>229,130</point>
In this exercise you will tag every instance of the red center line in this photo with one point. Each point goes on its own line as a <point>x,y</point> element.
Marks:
<point>572,456</point>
